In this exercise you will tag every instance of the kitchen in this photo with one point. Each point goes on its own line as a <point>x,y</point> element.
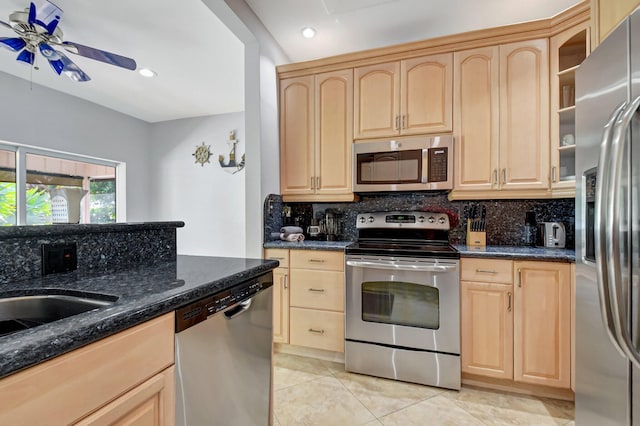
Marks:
<point>254,250</point>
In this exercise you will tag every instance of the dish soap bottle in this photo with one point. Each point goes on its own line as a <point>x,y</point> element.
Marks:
<point>529,238</point>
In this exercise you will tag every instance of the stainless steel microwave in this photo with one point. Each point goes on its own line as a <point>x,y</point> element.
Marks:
<point>403,164</point>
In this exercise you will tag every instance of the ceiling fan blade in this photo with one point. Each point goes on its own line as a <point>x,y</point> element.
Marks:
<point>53,56</point>
<point>45,14</point>
<point>4,24</point>
<point>26,56</point>
<point>71,70</point>
<point>13,43</point>
<point>100,55</point>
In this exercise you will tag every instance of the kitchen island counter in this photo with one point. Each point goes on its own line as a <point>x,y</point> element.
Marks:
<point>142,293</point>
<point>518,253</point>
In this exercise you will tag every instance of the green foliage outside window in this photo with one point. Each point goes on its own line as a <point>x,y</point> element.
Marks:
<point>38,204</point>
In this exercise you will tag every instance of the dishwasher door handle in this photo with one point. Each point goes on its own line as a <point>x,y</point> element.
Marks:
<point>237,310</point>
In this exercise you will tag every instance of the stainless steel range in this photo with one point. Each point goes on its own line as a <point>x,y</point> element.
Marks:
<point>403,299</point>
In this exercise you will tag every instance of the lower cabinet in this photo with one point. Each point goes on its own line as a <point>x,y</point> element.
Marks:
<point>126,378</point>
<point>308,305</point>
<point>517,329</point>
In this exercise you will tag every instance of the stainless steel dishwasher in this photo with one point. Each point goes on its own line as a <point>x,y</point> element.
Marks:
<point>223,357</point>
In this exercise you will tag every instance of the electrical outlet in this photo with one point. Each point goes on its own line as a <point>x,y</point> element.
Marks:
<point>59,258</point>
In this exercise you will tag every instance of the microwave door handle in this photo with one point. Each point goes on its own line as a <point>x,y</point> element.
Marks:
<point>619,289</point>
<point>425,166</point>
<point>399,266</point>
<point>601,202</point>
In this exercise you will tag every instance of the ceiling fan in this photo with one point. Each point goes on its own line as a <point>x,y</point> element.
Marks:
<point>37,29</point>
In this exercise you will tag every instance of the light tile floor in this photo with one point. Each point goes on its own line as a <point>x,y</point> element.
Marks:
<point>309,391</point>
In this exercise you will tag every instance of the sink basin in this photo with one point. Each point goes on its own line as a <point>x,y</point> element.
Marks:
<point>19,313</point>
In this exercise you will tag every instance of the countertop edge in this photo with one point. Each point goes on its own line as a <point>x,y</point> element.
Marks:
<point>7,232</point>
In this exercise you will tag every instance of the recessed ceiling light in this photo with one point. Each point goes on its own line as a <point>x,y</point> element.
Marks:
<point>308,32</point>
<point>146,72</point>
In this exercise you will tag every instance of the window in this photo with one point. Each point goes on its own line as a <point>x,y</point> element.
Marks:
<point>45,171</point>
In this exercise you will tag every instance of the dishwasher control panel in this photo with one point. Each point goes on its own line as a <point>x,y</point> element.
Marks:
<point>198,311</point>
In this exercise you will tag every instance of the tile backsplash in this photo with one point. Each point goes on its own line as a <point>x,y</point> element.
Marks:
<point>504,220</point>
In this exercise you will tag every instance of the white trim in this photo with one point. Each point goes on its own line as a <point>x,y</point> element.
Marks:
<point>21,186</point>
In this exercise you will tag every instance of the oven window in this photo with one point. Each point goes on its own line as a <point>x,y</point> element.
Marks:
<point>390,167</point>
<point>401,303</point>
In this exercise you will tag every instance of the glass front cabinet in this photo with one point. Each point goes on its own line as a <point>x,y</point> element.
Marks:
<point>568,49</point>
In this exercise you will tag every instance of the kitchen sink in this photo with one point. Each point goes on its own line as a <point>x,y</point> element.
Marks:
<point>20,313</point>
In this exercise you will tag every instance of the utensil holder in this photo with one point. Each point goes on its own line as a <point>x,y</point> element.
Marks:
<point>475,238</point>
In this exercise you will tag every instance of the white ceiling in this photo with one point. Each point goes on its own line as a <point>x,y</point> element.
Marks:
<point>200,63</point>
<point>353,25</point>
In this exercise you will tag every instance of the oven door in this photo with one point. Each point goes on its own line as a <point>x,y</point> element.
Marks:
<point>403,302</point>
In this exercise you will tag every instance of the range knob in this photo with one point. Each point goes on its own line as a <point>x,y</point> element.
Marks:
<point>441,220</point>
<point>370,219</point>
<point>362,219</point>
<point>420,219</point>
<point>431,219</point>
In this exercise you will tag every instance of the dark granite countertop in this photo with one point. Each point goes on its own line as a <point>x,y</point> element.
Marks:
<point>308,245</point>
<point>62,229</point>
<point>518,253</point>
<point>143,293</point>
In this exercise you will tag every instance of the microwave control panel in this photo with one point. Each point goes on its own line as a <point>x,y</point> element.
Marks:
<point>438,159</point>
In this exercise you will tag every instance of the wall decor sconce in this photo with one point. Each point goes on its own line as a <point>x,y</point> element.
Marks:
<point>230,165</point>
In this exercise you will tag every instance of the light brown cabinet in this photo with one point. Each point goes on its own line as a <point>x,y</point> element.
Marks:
<point>516,321</point>
<point>408,97</point>
<point>542,323</point>
<point>280,294</point>
<point>606,15</point>
<point>568,49</point>
<point>125,376</point>
<point>316,133</point>
<point>502,121</point>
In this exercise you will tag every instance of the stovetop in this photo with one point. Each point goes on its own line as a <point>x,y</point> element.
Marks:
<point>415,234</point>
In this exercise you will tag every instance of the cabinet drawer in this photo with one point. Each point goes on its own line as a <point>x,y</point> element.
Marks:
<point>69,387</point>
<point>317,289</point>
<point>317,329</point>
<point>317,259</point>
<point>281,255</point>
<point>486,270</point>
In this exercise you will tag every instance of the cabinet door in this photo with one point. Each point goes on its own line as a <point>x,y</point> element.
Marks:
<point>524,115</point>
<point>149,404</point>
<point>281,305</point>
<point>296,135</point>
<point>487,329</point>
<point>542,324</point>
<point>426,91</point>
<point>476,116</point>
<point>377,100</point>
<point>334,132</point>
<point>607,14</point>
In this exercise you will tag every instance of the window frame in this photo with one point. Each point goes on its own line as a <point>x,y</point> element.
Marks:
<point>21,152</point>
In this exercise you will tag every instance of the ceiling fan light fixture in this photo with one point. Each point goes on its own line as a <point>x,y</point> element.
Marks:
<point>308,32</point>
<point>147,72</point>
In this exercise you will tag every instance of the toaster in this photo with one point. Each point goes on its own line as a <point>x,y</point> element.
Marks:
<point>551,234</point>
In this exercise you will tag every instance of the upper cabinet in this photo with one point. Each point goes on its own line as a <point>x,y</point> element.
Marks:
<point>606,15</point>
<point>501,122</point>
<point>408,97</point>
<point>316,114</point>
<point>567,51</point>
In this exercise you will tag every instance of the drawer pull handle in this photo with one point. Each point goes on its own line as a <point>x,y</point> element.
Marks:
<point>316,260</point>
<point>313,330</point>
<point>487,271</point>
<point>317,290</point>
<point>276,258</point>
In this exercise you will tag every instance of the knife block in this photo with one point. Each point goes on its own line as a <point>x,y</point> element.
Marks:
<point>475,238</point>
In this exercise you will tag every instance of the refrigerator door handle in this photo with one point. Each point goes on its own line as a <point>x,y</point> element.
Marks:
<point>616,284</point>
<point>602,201</point>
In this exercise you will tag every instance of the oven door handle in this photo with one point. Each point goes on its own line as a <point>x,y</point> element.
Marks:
<point>400,266</point>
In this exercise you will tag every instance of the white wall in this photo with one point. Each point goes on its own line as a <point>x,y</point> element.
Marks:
<point>209,200</point>
<point>46,118</point>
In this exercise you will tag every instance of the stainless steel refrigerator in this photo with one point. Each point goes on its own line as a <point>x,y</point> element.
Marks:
<point>607,381</point>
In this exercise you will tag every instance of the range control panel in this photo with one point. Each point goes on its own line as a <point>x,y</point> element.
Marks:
<point>198,311</point>
<point>413,220</point>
